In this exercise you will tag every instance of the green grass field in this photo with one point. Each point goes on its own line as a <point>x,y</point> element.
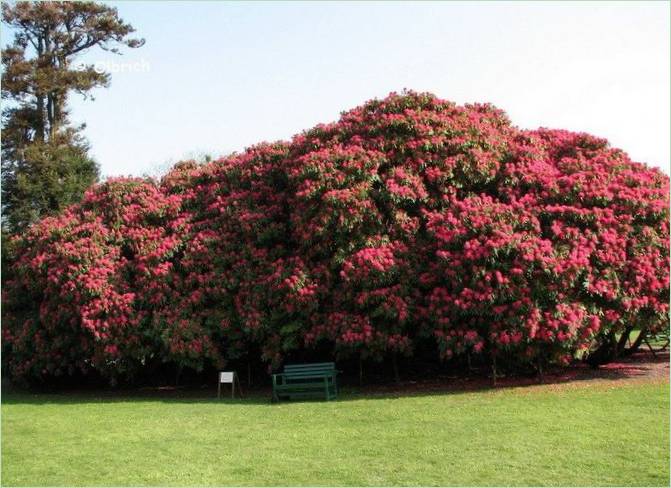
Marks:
<point>585,433</point>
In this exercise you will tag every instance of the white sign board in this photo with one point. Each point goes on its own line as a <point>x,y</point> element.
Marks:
<point>226,377</point>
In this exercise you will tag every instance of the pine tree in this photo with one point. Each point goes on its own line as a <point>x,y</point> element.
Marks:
<point>45,161</point>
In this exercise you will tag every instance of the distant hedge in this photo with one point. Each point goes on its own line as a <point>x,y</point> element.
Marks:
<point>411,218</point>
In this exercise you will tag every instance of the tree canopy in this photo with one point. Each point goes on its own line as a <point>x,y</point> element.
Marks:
<point>411,220</point>
<point>45,162</point>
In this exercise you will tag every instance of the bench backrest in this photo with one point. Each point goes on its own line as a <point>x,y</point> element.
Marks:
<point>313,368</point>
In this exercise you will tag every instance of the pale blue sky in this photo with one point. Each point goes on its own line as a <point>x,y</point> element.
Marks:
<point>215,77</point>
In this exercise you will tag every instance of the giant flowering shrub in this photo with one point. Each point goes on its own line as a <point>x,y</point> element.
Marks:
<point>411,218</point>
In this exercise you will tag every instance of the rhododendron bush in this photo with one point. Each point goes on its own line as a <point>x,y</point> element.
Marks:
<point>410,219</point>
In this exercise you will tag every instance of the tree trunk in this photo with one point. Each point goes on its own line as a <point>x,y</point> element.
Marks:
<point>360,370</point>
<point>493,369</point>
<point>40,123</point>
<point>394,360</point>
<point>50,116</point>
<point>59,97</point>
<point>623,340</point>
<point>49,55</point>
<point>604,353</point>
<point>637,343</point>
<point>57,113</point>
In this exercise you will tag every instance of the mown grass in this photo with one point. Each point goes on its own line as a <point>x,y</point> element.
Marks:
<point>596,433</point>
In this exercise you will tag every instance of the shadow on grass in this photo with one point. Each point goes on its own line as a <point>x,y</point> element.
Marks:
<point>639,366</point>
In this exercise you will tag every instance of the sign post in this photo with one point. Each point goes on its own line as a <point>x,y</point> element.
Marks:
<point>228,377</point>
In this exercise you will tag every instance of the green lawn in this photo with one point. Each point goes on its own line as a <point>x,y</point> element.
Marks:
<point>586,433</point>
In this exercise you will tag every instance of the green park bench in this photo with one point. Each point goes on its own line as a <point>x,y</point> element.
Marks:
<point>306,380</point>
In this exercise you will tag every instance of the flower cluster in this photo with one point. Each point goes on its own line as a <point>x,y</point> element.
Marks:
<point>411,218</point>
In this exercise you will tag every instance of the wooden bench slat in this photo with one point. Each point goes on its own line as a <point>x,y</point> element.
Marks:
<point>309,379</point>
<point>303,386</point>
<point>325,368</point>
<point>309,365</point>
<point>301,370</point>
<point>297,370</point>
<point>305,375</point>
<point>309,371</point>
<point>309,394</point>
